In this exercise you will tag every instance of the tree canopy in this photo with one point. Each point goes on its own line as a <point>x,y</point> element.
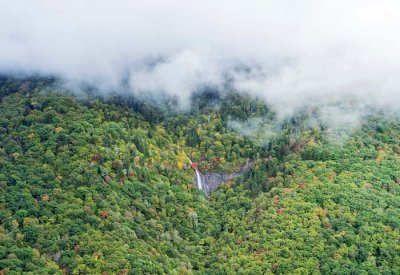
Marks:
<point>91,185</point>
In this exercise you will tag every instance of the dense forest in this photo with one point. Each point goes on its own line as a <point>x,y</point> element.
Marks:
<point>93,185</point>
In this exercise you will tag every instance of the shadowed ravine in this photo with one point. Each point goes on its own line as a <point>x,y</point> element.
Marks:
<point>208,182</point>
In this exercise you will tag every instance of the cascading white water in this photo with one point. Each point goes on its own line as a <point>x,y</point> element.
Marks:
<point>199,183</point>
<point>198,175</point>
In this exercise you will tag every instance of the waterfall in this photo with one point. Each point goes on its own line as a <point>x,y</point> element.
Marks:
<point>198,176</point>
<point>213,180</point>
<point>199,182</point>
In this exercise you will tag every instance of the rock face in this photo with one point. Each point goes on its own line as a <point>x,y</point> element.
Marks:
<point>208,182</point>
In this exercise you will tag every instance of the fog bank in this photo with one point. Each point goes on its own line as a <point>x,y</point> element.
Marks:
<point>290,53</point>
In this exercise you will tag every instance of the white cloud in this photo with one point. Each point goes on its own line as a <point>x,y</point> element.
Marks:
<point>299,52</point>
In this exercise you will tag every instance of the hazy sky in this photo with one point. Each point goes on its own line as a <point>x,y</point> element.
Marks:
<point>288,52</point>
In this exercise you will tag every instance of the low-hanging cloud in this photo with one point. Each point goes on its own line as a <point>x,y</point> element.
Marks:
<point>290,53</point>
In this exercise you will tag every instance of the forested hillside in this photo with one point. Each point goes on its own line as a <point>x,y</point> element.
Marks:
<point>93,185</point>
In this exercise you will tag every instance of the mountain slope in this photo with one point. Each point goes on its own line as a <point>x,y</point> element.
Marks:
<point>91,186</point>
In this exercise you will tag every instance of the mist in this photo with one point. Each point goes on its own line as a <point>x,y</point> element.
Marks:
<point>292,54</point>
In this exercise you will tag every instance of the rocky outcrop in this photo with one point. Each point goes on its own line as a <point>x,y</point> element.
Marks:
<point>208,182</point>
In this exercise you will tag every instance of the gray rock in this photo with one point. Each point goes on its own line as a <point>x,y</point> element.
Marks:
<point>211,181</point>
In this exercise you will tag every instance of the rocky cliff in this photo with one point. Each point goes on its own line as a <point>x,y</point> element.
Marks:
<point>208,182</point>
